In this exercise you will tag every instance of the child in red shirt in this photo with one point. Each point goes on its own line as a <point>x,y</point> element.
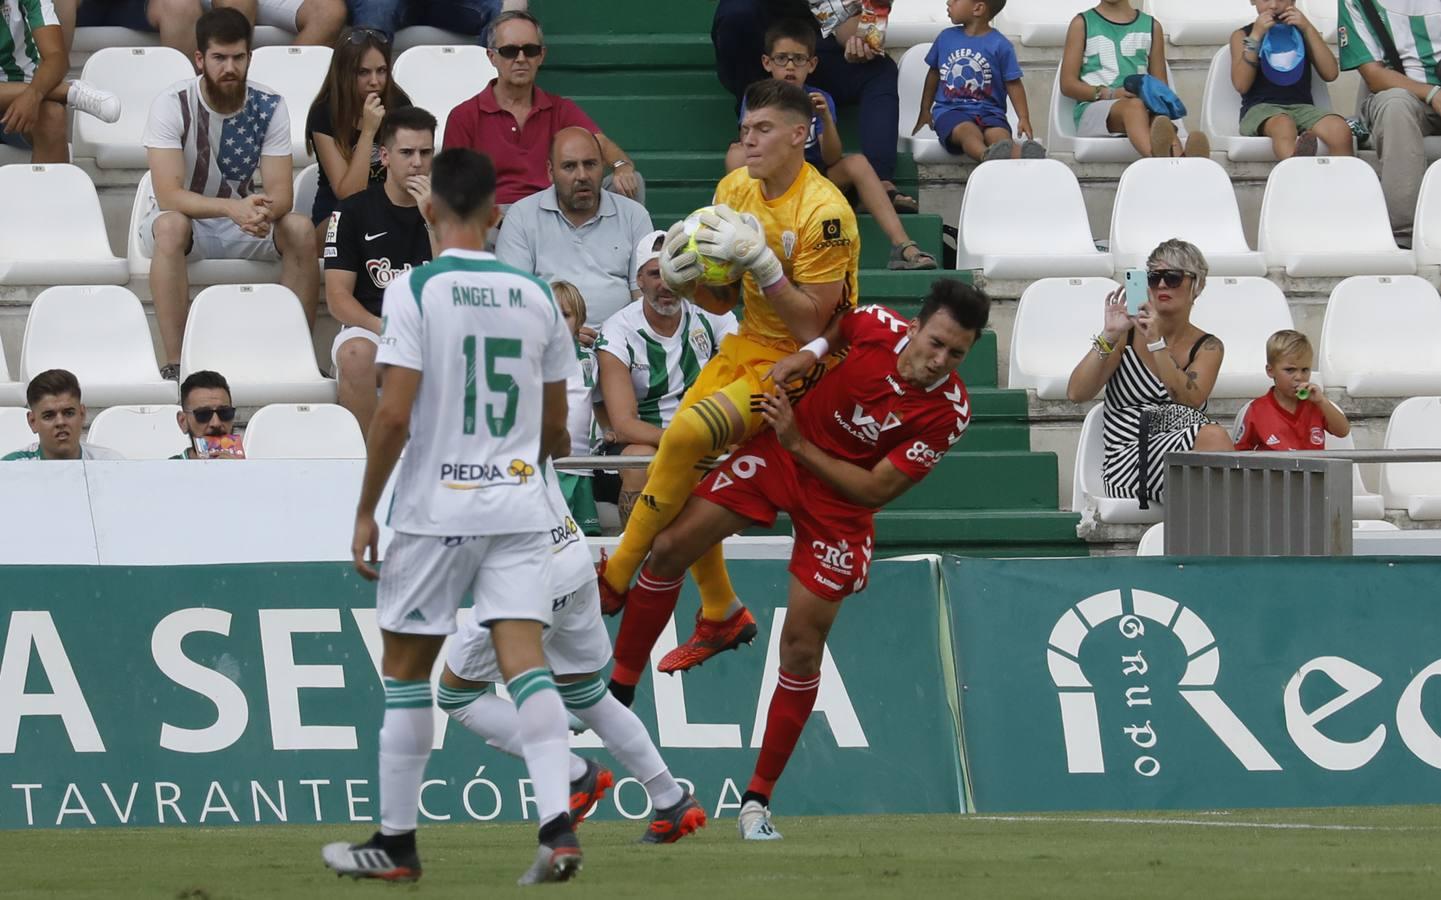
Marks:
<point>1295,414</point>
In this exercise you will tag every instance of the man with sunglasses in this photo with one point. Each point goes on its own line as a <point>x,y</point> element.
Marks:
<point>514,122</point>
<point>206,412</point>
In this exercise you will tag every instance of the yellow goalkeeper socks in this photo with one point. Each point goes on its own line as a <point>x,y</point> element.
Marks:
<point>717,595</point>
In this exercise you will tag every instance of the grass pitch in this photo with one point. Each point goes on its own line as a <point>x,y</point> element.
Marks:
<point>1274,854</point>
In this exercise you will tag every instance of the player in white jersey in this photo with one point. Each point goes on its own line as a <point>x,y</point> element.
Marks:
<point>577,648</point>
<point>475,358</point>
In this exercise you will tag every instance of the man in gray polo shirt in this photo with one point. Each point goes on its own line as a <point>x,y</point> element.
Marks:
<point>574,231</point>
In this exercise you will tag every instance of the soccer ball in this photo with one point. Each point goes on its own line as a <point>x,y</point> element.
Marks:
<point>714,272</point>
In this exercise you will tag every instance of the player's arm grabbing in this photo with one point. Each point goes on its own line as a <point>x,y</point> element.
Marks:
<point>872,488</point>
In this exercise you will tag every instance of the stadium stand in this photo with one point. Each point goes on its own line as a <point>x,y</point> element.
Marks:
<point>1089,497</point>
<point>439,78</point>
<point>1414,487</point>
<point>136,74</point>
<point>303,431</point>
<point>1378,338</point>
<point>1061,137</point>
<point>1426,236</point>
<point>925,147</point>
<point>12,392</point>
<point>139,432</point>
<point>256,335</point>
<point>56,232</point>
<point>305,183</point>
<point>1043,23</point>
<point>1054,323</point>
<point>15,432</point>
<point>428,36</point>
<point>1325,216</point>
<point>100,334</point>
<point>1243,313</point>
<point>915,23</point>
<point>1045,232</point>
<point>297,74</point>
<point>1221,113</point>
<point>202,271</point>
<point>1191,199</point>
<point>1153,542</point>
<point>1207,23</point>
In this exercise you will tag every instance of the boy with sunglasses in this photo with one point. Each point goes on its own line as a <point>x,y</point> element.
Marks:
<point>206,411</point>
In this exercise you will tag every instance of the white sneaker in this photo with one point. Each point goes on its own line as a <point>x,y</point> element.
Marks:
<point>90,99</point>
<point>755,822</point>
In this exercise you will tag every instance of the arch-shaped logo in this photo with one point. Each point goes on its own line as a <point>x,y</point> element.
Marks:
<point>1080,718</point>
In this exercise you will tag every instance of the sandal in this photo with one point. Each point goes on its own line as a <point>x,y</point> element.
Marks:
<point>920,260</point>
<point>900,202</point>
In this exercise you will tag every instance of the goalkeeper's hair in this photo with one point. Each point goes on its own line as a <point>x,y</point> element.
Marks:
<point>967,305</point>
<point>802,31</point>
<point>463,181</point>
<point>776,94</point>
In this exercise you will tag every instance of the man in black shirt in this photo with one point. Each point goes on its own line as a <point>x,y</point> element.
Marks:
<point>373,237</point>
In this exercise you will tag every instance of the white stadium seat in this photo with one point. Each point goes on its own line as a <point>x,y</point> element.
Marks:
<point>10,156</point>
<point>257,337</point>
<point>299,431</point>
<point>1208,22</point>
<point>1191,199</point>
<point>925,147</point>
<point>60,238</point>
<point>1088,495</point>
<point>1055,320</point>
<point>137,75</point>
<point>1426,236</point>
<point>1153,542</point>
<point>440,78</point>
<point>100,334</point>
<point>1325,217</point>
<point>1415,487</point>
<point>94,38</point>
<point>1379,337</point>
<point>915,22</point>
<point>1221,113</point>
<point>202,271</point>
<point>1043,23</point>
<point>15,433</point>
<point>1365,506</point>
<point>297,74</point>
<point>12,392</point>
<point>1044,231</point>
<point>1322,14</point>
<point>1243,313</point>
<point>1061,131</point>
<point>306,181</point>
<point>426,36</point>
<point>139,432</point>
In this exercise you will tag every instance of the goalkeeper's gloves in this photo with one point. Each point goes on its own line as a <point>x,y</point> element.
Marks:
<point>727,235</point>
<point>679,268</point>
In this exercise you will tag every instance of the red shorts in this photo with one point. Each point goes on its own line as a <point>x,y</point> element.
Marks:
<point>834,537</point>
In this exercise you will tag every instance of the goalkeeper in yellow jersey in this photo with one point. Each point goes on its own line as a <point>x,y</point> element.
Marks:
<point>794,234</point>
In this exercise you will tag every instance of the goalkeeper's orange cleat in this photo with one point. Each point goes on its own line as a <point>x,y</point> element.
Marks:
<point>612,601</point>
<point>709,639</point>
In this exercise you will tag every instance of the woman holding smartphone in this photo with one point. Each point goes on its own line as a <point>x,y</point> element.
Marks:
<point>1157,370</point>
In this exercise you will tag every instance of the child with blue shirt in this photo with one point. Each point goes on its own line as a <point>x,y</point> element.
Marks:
<point>973,72</point>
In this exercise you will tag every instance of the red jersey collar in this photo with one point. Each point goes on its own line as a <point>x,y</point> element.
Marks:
<point>487,103</point>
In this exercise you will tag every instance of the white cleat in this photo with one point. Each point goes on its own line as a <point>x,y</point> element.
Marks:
<point>754,822</point>
<point>91,100</point>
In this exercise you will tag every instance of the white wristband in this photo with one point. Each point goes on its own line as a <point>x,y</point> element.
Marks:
<point>1432,95</point>
<point>1157,346</point>
<point>820,347</point>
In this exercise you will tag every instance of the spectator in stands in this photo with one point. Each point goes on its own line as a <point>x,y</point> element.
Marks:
<point>357,92</point>
<point>1400,66</point>
<point>515,123</point>
<point>650,354</point>
<point>790,56</point>
<point>1157,369</point>
<point>1295,414</point>
<point>206,140</point>
<point>1271,64</point>
<point>1104,47</point>
<point>375,236</point>
<point>468,17</point>
<point>313,22</point>
<point>577,484</point>
<point>35,98</point>
<point>849,68</point>
<point>57,417</point>
<point>574,231</point>
<point>207,418</point>
<point>979,67</point>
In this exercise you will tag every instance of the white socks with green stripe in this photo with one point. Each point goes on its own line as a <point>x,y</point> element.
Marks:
<point>405,737</point>
<point>493,718</point>
<point>544,739</point>
<point>625,737</point>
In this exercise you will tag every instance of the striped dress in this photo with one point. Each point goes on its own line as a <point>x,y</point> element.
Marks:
<point>1131,391</point>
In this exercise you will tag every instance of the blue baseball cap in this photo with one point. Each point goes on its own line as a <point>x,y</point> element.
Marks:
<point>1283,54</point>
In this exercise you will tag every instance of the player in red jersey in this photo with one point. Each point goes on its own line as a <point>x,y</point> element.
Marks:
<point>867,432</point>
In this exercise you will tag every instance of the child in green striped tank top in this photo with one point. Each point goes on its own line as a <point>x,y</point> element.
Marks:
<point>1105,46</point>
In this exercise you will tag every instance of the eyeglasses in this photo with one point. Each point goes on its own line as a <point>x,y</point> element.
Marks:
<point>1171,278</point>
<point>511,51</point>
<point>203,414</point>
<point>361,35</point>
<point>786,60</point>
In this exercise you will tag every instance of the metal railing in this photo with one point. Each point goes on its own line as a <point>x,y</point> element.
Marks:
<point>609,463</point>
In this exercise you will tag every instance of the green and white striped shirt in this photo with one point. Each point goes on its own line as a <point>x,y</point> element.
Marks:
<point>662,368</point>
<point>1415,27</point>
<point>87,451</point>
<point>18,54</point>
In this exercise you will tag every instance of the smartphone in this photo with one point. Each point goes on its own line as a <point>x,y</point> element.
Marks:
<point>1137,294</point>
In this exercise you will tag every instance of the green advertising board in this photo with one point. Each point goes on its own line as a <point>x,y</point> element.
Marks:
<point>1153,684</point>
<point>248,694</point>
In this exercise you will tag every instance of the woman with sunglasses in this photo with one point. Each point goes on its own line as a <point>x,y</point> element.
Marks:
<point>1157,370</point>
<point>341,127</point>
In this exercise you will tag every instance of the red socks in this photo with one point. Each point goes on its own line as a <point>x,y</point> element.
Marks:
<point>791,706</point>
<point>648,606</point>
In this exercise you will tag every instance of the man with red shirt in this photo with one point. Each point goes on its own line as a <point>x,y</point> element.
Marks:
<point>513,122</point>
<point>867,432</point>
<point>1295,414</point>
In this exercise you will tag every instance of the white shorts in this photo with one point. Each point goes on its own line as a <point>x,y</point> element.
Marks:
<point>212,239</point>
<point>575,644</point>
<point>1093,120</point>
<point>275,13</point>
<point>425,578</point>
<point>349,333</point>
